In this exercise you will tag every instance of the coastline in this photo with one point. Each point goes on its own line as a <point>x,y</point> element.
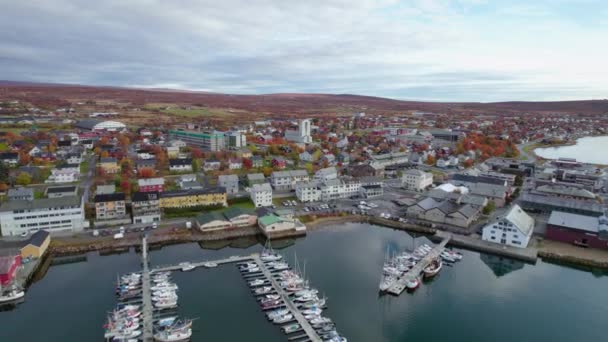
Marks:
<point>532,148</point>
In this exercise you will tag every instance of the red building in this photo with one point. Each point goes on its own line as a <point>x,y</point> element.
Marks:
<point>151,184</point>
<point>8,268</point>
<point>279,163</point>
<point>580,230</point>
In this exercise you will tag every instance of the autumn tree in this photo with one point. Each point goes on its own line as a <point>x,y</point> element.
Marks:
<point>146,172</point>
<point>247,163</point>
<point>430,160</point>
<point>23,178</point>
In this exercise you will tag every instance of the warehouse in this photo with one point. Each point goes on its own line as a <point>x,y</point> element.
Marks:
<point>100,126</point>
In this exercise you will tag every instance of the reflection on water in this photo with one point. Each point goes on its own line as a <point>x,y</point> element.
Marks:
<point>501,266</point>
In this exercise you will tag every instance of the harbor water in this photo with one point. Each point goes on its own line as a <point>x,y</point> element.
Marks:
<point>482,298</point>
<point>587,150</point>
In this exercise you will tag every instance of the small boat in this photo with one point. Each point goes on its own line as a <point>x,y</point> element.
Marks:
<point>257,282</point>
<point>173,335</point>
<point>288,329</point>
<point>283,319</point>
<point>412,284</point>
<point>210,264</point>
<point>167,321</point>
<point>320,320</point>
<point>432,269</point>
<point>12,295</point>
<point>276,313</point>
<point>186,266</point>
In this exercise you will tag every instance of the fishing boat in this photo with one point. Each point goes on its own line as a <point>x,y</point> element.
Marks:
<point>412,284</point>
<point>432,269</point>
<point>11,295</point>
<point>288,329</point>
<point>386,282</point>
<point>186,266</point>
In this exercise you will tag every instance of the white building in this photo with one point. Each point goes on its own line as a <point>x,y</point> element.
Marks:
<point>308,191</point>
<point>261,195</point>
<point>286,180</point>
<point>416,180</point>
<point>64,214</point>
<point>302,134</point>
<point>328,190</point>
<point>514,229</point>
<point>67,174</point>
<point>236,139</point>
<point>96,125</point>
<point>326,174</point>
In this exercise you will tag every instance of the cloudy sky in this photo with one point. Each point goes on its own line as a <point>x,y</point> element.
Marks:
<point>459,50</point>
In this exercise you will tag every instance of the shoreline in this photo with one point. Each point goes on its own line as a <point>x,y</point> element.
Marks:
<point>551,251</point>
<point>565,144</point>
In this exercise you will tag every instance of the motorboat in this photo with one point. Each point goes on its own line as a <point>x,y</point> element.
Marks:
<point>186,266</point>
<point>210,264</point>
<point>283,319</point>
<point>165,304</point>
<point>257,282</point>
<point>276,313</point>
<point>173,335</point>
<point>288,329</point>
<point>320,320</point>
<point>386,283</point>
<point>432,269</point>
<point>167,321</point>
<point>11,295</point>
<point>165,286</point>
<point>412,284</point>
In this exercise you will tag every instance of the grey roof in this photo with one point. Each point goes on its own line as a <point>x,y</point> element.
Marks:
<point>488,190</point>
<point>469,210</point>
<point>520,219</point>
<point>228,178</point>
<point>460,178</point>
<point>61,189</point>
<point>255,176</point>
<point>558,202</point>
<point>263,187</point>
<point>20,192</point>
<point>566,191</point>
<point>42,203</point>
<point>428,203</point>
<point>574,221</point>
<point>87,124</point>
<point>290,173</point>
<point>38,238</point>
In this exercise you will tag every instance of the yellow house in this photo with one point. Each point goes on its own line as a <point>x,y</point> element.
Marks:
<point>109,165</point>
<point>193,198</point>
<point>36,245</point>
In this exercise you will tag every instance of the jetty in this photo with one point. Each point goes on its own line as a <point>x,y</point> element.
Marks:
<point>398,286</point>
<point>229,260</point>
<point>147,308</point>
<point>306,327</point>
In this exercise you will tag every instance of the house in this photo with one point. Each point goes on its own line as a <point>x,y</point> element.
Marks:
<point>108,165</point>
<point>8,268</point>
<point>416,180</point>
<point>110,206</point>
<point>20,194</point>
<point>230,182</point>
<point>172,151</point>
<point>61,191</point>
<point>74,158</point>
<point>261,194</point>
<point>371,191</point>
<point>326,174</point>
<point>145,164</point>
<point>145,207</point>
<point>255,178</point>
<point>64,174</point>
<point>240,217</point>
<point>308,191</point>
<point>361,170</point>
<point>21,216</point>
<point>579,230</point>
<point>211,165</point>
<point>257,161</point>
<point>514,229</point>
<point>278,163</point>
<point>194,198</point>
<point>36,245</point>
<point>212,221</point>
<point>286,180</point>
<point>180,165</point>
<point>9,158</point>
<point>35,151</point>
<point>144,154</point>
<point>496,193</point>
<point>151,184</point>
<point>306,157</point>
<point>343,158</point>
<point>104,189</point>
<point>235,164</point>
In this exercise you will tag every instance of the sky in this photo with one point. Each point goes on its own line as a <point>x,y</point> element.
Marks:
<point>434,50</point>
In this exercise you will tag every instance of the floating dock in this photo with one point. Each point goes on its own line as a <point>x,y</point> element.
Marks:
<point>147,308</point>
<point>398,286</point>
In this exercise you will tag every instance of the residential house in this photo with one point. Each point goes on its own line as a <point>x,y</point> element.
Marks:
<point>64,174</point>
<point>9,158</point>
<point>109,165</point>
<point>255,178</point>
<point>326,174</point>
<point>145,164</point>
<point>110,206</point>
<point>230,182</point>
<point>257,161</point>
<point>514,229</point>
<point>306,157</point>
<point>261,194</point>
<point>145,207</point>
<point>21,194</point>
<point>180,165</point>
<point>278,163</point>
<point>194,198</point>
<point>343,158</point>
<point>286,180</point>
<point>328,159</point>
<point>151,184</point>
<point>212,165</point>
<point>235,164</point>
<point>416,180</point>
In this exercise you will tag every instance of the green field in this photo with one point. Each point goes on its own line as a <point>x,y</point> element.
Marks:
<point>193,111</point>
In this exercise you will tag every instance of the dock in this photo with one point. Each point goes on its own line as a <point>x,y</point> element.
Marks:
<point>197,264</point>
<point>397,287</point>
<point>147,308</point>
<point>306,327</point>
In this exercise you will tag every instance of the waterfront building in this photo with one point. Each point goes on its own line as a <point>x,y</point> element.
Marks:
<point>302,134</point>
<point>145,207</point>
<point>151,184</point>
<point>108,165</point>
<point>212,221</point>
<point>206,140</point>
<point>449,212</point>
<point>580,230</point>
<point>416,180</point>
<point>547,204</point>
<point>20,194</point>
<point>231,218</point>
<point>194,198</point>
<point>230,182</point>
<point>274,226</point>
<point>61,191</point>
<point>261,195</point>
<point>110,206</point>
<point>286,180</point>
<point>240,217</point>
<point>514,229</point>
<point>52,214</point>
<point>180,165</point>
<point>36,245</point>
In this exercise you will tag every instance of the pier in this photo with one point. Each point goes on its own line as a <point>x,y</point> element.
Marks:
<point>398,286</point>
<point>229,260</point>
<point>147,308</point>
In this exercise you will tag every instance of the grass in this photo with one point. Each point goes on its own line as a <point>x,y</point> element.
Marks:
<point>84,167</point>
<point>193,111</point>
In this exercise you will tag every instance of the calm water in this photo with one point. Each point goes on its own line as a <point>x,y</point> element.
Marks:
<point>588,150</point>
<point>483,298</point>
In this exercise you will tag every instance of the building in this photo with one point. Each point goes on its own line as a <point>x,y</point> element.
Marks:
<point>194,198</point>
<point>363,170</point>
<point>211,165</point>
<point>386,159</point>
<point>235,164</point>
<point>108,165</point>
<point>21,194</point>
<point>547,204</point>
<point>332,189</point>
<point>257,162</point>
<point>37,245</point>
<point>145,207</point>
<point>230,182</point>
<point>103,189</point>
<point>151,184</point>
<point>286,180</point>
<point>64,174</point>
<point>255,178</point>
<point>278,163</point>
<point>240,217</point>
<point>146,163</point>
<point>61,191</point>
<point>8,268</point>
<point>449,212</point>
<point>580,230</point>
<point>206,140</point>
<point>9,158</point>
<point>212,221</point>
<point>302,134</point>
<point>180,165</point>
<point>236,139</point>
<point>308,191</point>
<point>514,229</point>
<point>416,180</point>
<point>326,174</point>
<point>110,206</point>
<point>371,191</point>
<point>101,126</point>
<point>64,214</point>
<point>496,193</point>
<point>261,195</point>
